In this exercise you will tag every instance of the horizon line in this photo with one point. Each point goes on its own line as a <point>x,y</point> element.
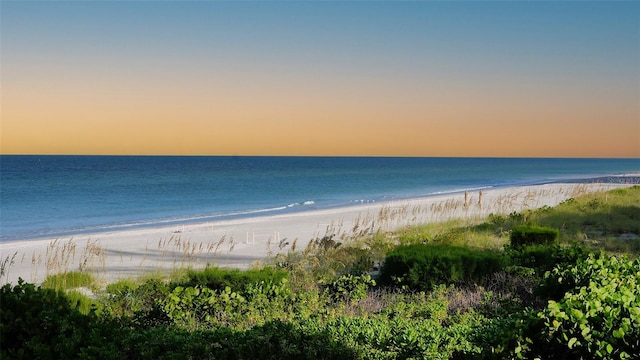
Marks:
<point>326,156</point>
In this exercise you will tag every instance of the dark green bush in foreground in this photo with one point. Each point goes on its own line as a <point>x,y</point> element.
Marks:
<point>600,317</point>
<point>533,235</point>
<point>39,323</point>
<point>422,266</point>
<point>597,318</point>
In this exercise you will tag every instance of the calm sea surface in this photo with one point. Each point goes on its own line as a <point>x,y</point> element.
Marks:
<point>48,196</point>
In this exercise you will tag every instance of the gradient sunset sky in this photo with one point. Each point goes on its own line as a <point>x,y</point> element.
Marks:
<point>383,78</point>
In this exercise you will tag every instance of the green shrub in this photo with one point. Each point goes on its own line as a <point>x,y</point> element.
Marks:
<point>350,287</point>
<point>218,279</point>
<point>121,287</point>
<point>200,306</point>
<point>39,323</point>
<point>542,258</point>
<point>600,317</point>
<point>125,298</point>
<point>356,261</point>
<point>533,235</point>
<point>597,318</point>
<point>424,266</point>
<point>410,326</point>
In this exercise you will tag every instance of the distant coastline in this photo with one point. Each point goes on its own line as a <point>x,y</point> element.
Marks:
<point>616,179</point>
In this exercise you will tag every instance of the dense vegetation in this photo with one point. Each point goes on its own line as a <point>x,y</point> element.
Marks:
<point>567,287</point>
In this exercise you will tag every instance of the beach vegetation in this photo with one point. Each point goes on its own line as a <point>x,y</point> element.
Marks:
<point>42,323</point>
<point>127,298</point>
<point>532,235</point>
<point>421,267</point>
<point>217,278</point>
<point>459,289</point>
<point>68,280</point>
<point>77,286</point>
<point>6,263</point>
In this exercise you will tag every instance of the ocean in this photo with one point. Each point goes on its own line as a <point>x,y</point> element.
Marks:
<point>51,196</point>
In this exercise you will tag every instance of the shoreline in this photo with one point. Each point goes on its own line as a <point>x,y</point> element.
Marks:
<point>286,210</point>
<point>241,242</point>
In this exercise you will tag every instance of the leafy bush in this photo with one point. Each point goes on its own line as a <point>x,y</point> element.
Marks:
<point>121,287</point>
<point>533,235</point>
<point>411,326</point>
<point>195,306</point>
<point>125,298</point>
<point>357,261</point>
<point>600,317</point>
<point>597,318</point>
<point>424,266</point>
<point>291,340</point>
<point>39,323</point>
<point>543,258</point>
<point>350,287</point>
<point>218,279</point>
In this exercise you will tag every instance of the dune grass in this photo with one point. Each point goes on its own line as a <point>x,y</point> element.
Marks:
<point>68,280</point>
<point>607,221</point>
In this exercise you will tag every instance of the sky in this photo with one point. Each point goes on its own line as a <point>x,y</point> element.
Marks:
<point>325,78</point>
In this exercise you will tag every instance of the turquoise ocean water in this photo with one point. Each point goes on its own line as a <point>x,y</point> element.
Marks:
<point>49,196</point>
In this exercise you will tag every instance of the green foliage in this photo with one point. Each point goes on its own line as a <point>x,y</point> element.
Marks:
<point>357,261</point>
<point>497,219</point>
<point>40,323</point>
<point>73,280</point>
<point>68,280</point>
<point>273,340</point>
<point>600,317</point>
<point>613,212</point>
<point>508,337</point>
<point>200,306</point>
<point>218,279</point>
<point>400,338</point>
<point>286,340</point>
<point>411,326</point>
<point>325,258</point>
<point>126,299</point>
<point>542,258</point>
<point>83,303</point>
<point>533,235</point>
<point>424,266</point>
<point>350,287</point>
<point>597,318</point>
<point>606,220</point>
<point>121,287</point>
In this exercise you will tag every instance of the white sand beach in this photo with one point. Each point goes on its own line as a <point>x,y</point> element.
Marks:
<point>240,243</point>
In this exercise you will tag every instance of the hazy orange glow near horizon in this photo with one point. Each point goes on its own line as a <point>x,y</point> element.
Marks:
<point>335,79</point>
